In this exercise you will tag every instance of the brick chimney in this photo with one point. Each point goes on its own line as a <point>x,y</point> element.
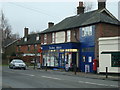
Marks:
<point>25,32</point>
<point>101,4</point>
<point>80,8</point>
<point>50,24</point>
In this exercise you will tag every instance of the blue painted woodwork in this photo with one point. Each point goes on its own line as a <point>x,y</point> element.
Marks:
<point>86,44</point>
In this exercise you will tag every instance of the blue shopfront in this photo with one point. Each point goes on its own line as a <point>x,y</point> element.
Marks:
<point>87,44</point>
<point>57,55</point>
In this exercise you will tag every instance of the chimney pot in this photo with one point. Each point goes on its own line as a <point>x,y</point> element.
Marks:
<point>101,4</point>
<point>50,24</point>
<point>80,8</point>
<point>25,32</point>
<point>80,4</point>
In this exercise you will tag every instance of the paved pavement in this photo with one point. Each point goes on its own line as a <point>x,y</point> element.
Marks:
<point>83,74</point>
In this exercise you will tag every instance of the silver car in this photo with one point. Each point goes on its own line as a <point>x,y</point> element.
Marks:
<point>17,63</point>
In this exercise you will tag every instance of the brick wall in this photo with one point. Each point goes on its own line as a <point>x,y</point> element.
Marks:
<point>73,38</point>
<point>104,30</point>
<point>49,38</point>
<point>24,48</point>
<point>42,38</point>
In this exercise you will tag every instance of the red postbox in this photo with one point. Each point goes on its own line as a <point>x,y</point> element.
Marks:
<point>95,65</point>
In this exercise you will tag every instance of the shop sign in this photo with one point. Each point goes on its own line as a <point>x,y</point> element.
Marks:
<point>53,47</point>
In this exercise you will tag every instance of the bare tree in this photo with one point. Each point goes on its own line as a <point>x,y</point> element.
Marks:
<point>15,36</point>
<point>88,6</point>
<point>32,32</point>
<point>4,26</point>
<point>5,31</point>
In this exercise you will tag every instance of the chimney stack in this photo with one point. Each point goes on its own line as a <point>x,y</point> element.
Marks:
<point>25,32</point>
<point>101,4</point>
<point>50,24</point>
<point>80,8</point>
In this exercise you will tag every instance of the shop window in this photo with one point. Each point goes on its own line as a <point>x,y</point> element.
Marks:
<point>87,31</point>
<point>115,60</point>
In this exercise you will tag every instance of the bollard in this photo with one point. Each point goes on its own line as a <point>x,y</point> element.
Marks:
<point>46,67</point>
<point>34,66</point>
<point>106,72</point>
<point>75,69</point>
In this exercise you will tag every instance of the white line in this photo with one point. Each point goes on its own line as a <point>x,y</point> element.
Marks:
<point>27,74</point>
<point>20,73</point>
<point>51,77</point>
<point>97,84</point>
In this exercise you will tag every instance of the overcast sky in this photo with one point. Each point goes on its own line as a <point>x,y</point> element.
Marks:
<point>36,15</point>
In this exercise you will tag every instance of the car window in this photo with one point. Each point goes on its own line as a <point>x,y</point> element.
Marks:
<point>18,61</point>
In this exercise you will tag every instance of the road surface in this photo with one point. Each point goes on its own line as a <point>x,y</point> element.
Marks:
<point>31,78</point>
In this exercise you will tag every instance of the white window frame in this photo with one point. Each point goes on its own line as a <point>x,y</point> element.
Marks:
<point>29,47</point>
<point>37,38</point>
<point>60,37</point>
<point>35,46</point>
<point>25,39</point>
<point>87,31</point>
<point>45,38</point>
<point>19,48</point>
<point>68,36</point>
<point>53,37</point>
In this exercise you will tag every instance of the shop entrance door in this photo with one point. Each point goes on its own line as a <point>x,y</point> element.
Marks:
<point>61,60</point>
<point>74,58</point>
<point>86,63</point>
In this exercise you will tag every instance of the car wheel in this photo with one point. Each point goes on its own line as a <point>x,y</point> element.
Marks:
<point>13,67</point>
<point>10,67</point>
<point>24,68</point>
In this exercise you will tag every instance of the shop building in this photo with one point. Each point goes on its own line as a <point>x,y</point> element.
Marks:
<point>74,40</point>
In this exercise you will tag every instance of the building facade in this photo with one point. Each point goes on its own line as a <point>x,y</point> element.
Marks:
<point>29,46</point>
<point>109,53</point>
<point>74,40</point>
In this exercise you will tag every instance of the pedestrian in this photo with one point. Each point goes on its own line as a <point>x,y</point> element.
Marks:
<point>67,67</point>
<point>38,64</point>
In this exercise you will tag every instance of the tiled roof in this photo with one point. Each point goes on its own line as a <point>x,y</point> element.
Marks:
<point>84,19</point>
<point>31,39</point>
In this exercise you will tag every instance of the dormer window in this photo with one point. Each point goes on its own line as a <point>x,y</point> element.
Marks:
<point>25,39</point>
<point>37,38</point>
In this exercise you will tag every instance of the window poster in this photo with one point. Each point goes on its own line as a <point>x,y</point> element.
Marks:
<point>90,59</point>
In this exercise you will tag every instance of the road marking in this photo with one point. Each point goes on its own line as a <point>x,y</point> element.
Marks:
<point>20,73</point>
<point>97,84</point>
<point>51,77</point>
<point>27,74</point>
